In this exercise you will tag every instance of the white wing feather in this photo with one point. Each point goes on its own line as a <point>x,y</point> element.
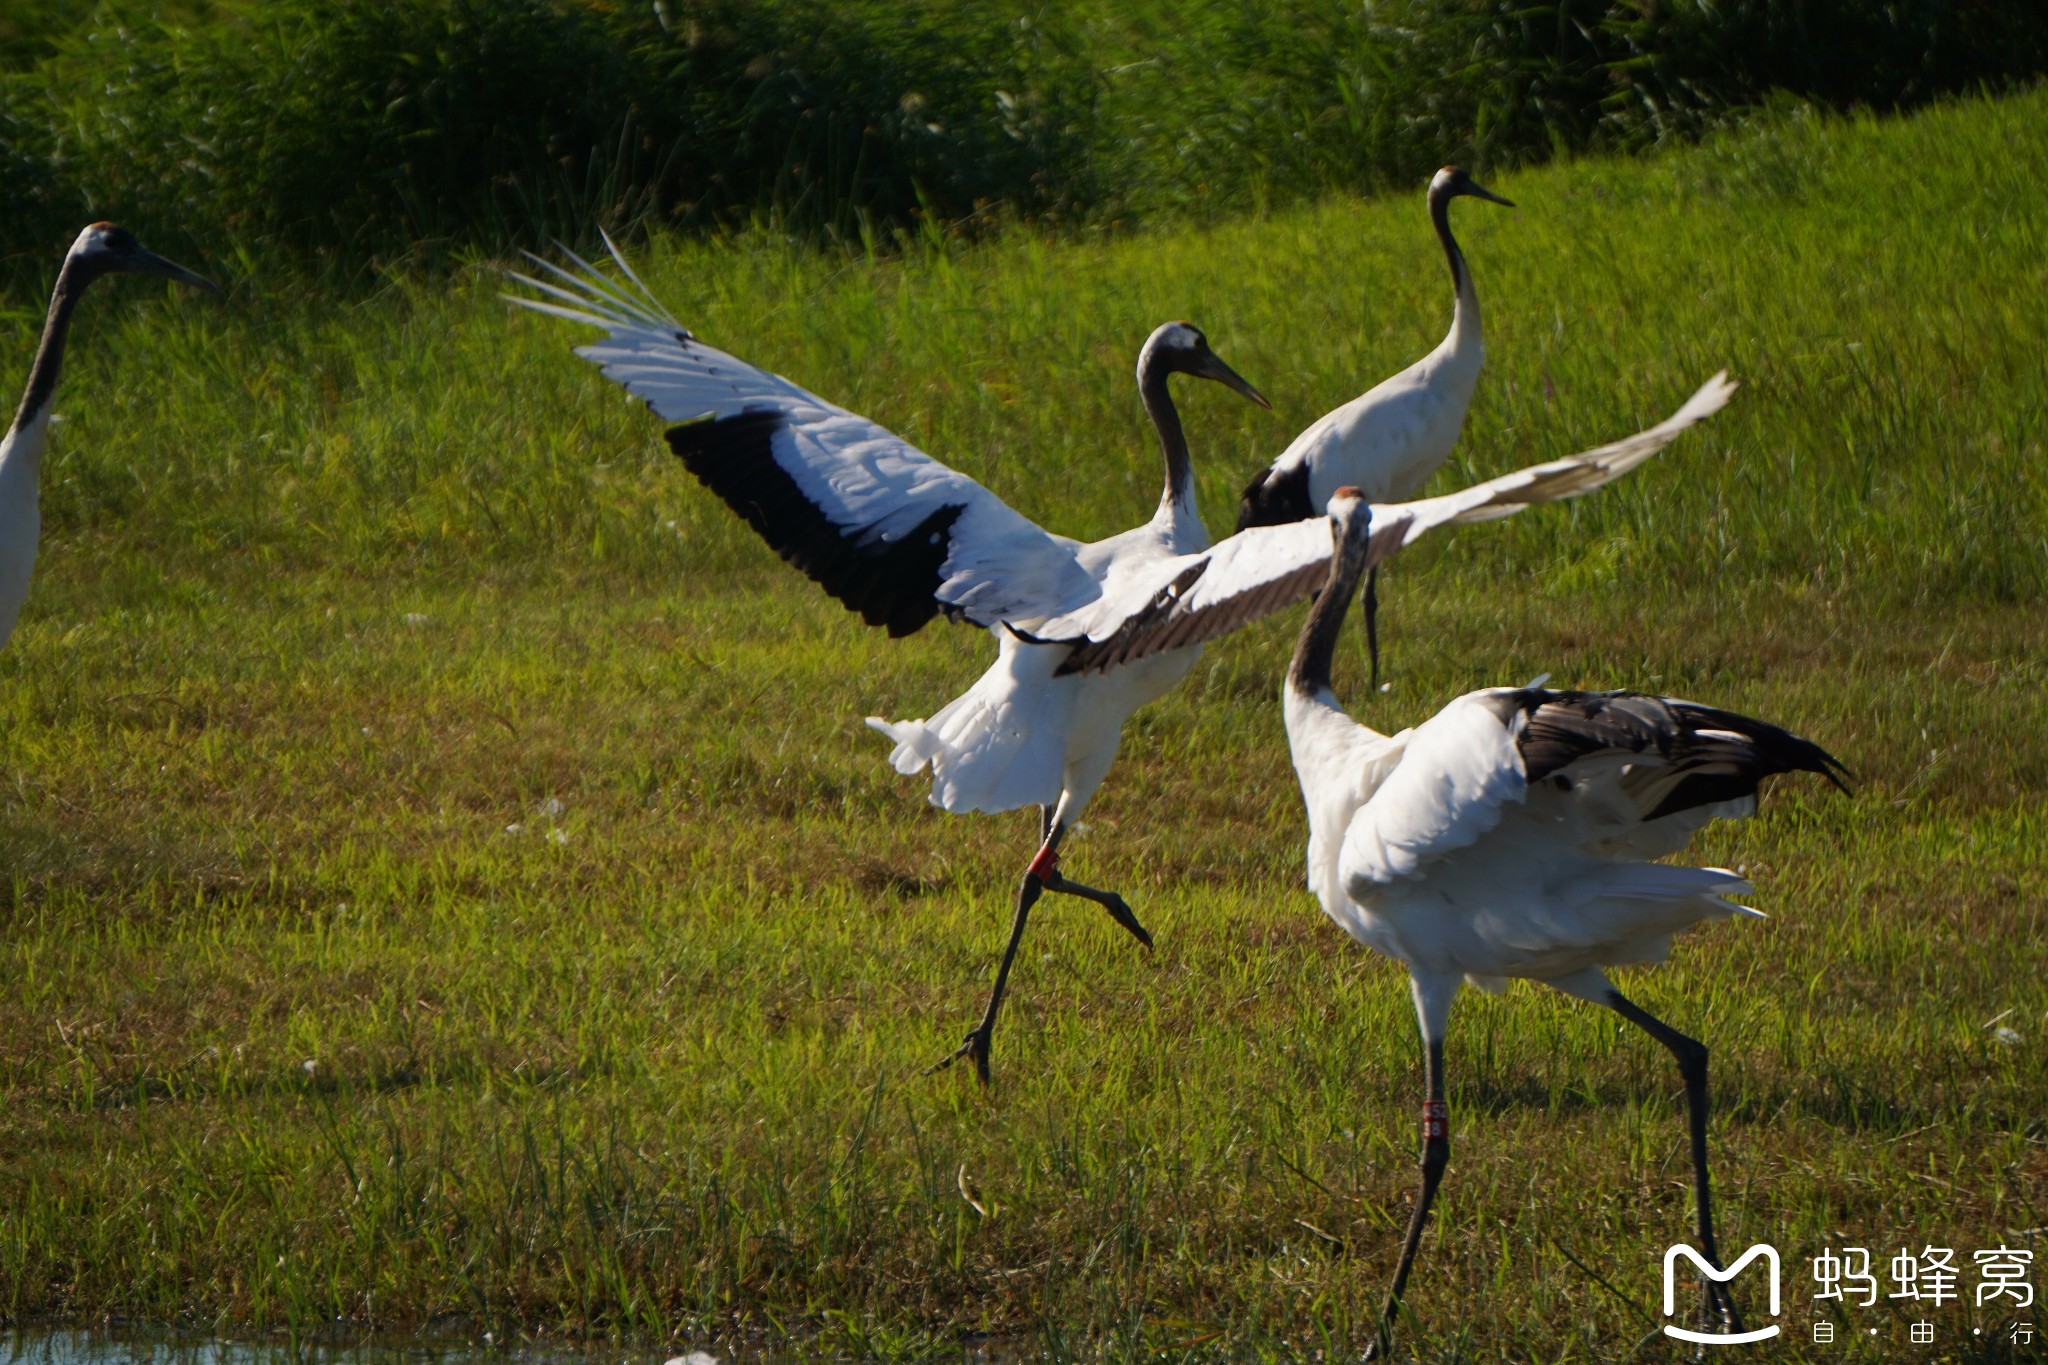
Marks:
<point>868,482</point>
<point>1556,480</point>
<point>1189,599</point>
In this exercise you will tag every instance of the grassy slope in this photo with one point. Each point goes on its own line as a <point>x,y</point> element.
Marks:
<point>333,594</point>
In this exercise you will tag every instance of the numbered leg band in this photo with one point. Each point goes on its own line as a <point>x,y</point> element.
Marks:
<point>1436,1120</point>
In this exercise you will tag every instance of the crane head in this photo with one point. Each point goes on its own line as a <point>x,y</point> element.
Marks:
<point>110,249</point>
<point>1452,181</point>
<point>1180,348</point>
<point>1355,531</point>
<point>1350,514</point>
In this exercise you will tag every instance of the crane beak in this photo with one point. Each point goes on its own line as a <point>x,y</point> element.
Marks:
<point>146,262</point>
<point>1212,367</point>
<point>1479,191</point>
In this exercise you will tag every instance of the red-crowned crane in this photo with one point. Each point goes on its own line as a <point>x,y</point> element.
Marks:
<point>1390,439</point>
<point>1512,835</point>
<point>901,538</point>
<point>101,249</point>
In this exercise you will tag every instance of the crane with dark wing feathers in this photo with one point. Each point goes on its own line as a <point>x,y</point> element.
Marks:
<point>1514,835</point>
<point>902,538</point>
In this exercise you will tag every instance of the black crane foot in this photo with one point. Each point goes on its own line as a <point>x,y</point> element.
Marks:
<point>975,1045</point>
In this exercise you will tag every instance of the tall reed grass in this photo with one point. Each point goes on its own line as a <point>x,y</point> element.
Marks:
<point>342,132</point>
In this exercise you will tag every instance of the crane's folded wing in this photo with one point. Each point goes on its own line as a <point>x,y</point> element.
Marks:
<point>1458,770</point>
<point>1619,773</point>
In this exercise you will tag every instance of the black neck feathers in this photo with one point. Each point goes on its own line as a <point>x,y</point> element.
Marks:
<point>1173,442</point>
<point>1309,671</point>
<point>49,361</point>
<point>1440,197</point>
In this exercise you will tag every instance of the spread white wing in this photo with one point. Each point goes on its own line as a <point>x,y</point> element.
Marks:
<point>876,522</point>
<point>1190,599</point>
<point>1567,478</point>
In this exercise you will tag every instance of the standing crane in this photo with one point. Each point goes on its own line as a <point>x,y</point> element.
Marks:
<point>1389,440</point>
<point>1511,835</point>
<point>101,249</point>
<point>901,538</point>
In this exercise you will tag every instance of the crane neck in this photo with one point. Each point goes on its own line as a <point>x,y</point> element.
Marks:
<point>1308,673</point>
<point>1173,441</point>
<point>49,361</point>
<point>1465,312</point>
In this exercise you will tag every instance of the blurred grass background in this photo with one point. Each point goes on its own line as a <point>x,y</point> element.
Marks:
<point>330,135</point>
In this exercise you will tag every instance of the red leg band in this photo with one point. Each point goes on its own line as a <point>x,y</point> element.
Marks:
<point>1436,1119</point>
<point>1045,864</point>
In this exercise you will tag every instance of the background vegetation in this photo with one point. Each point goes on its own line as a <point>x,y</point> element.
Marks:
<point>448,880</point>
<point>338,132</point>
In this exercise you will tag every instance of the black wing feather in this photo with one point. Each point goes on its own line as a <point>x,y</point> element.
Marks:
<point>1276,497</point>
<point>1093,656</point>
<point>892,583</point>
<point>1715,755</point>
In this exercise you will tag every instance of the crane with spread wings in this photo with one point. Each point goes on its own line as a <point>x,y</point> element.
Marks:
<point>1085,634</point>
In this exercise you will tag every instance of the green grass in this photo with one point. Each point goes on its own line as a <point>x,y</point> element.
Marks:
<point>332,137</point>
<point>334,593</point>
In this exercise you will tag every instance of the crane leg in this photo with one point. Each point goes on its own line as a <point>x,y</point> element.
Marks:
<point>1041,876</point>
<point>1372,622</point>
<point>1436,1154</point>
<point>1692,1065</point>
<point>1108,900</point>
<point>976,1044</point>
<point>1047,865</point>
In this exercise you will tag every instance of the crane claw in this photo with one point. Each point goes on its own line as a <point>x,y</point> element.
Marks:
<point>1121,913</point>
<point>975,1045</point>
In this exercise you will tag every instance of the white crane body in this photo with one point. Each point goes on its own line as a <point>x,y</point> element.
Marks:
<point>21,520</point>
<point>1389,440</point>
<point>1438,852</point>
<point>1513,834</point>
<point>987,750</point>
